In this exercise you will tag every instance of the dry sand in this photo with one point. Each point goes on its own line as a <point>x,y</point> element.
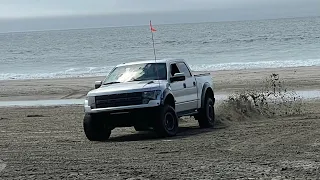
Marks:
<point>48,142</point>
<point>53,145</point>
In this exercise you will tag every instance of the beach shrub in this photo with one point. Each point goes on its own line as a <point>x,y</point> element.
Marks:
<point>271,100</point>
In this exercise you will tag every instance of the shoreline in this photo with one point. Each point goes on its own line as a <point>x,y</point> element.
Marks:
<point>225,82</point>
<point>209,71</point>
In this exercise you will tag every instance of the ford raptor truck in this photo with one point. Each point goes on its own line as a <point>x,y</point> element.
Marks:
<point>148,95</point>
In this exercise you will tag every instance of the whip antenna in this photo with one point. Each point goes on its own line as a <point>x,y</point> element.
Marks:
<point>154,51</point>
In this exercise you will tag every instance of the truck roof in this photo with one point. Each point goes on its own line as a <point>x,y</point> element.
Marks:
<point>168,60</point>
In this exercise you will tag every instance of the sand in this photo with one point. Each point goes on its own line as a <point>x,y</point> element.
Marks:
<point>48,142</point>
<point>302,78</point>
<point>44,143</point>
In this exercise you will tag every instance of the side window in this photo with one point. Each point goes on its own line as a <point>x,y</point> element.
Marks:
<point>183,68</point>
<point>174,69</point>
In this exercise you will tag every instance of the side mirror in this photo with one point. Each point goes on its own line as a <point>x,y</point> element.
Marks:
<point>97,84</point>
<point>178,77</point>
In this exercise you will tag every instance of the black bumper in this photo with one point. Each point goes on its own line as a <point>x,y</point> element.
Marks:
<point>128,118</point>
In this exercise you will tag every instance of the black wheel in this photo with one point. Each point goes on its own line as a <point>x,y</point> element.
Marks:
<point>206,114</point>
<point>95,129</point>
<point>166,124</point>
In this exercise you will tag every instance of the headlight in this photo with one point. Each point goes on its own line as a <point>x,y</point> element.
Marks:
<point>91,101</point>
<point>86,101</point>
<point>151,95</point>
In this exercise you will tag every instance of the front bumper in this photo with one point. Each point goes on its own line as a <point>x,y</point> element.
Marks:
<point>119,109</point>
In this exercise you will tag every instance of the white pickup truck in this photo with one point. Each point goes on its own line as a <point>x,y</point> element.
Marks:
<point>148,95</point>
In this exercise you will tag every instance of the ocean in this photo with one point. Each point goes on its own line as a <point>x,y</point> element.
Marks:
<point>205,46</point>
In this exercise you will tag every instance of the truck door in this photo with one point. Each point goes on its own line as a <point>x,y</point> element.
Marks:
<point>191,91</point>
<point>177,88</point>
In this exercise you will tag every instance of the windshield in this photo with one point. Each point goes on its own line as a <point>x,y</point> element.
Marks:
<point>137,72</point>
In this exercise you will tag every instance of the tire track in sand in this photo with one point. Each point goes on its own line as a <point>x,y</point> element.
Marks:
<point>2,165</point>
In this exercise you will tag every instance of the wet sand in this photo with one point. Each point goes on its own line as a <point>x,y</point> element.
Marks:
<point>302,78</point>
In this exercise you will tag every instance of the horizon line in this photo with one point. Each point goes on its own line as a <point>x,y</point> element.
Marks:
<point>147,24</point>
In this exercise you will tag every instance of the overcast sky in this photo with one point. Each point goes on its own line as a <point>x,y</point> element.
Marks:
<point>21,15</point>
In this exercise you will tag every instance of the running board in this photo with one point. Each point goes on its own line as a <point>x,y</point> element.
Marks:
<point>188,113</point>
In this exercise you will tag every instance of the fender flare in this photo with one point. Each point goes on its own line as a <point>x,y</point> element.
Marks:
<point>205,88</point>
<point>165,94</point>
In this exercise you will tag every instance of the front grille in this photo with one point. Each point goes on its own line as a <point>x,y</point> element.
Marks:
<point>115,100</point>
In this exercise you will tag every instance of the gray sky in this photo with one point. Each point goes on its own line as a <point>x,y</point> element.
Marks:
<point>23,15</point>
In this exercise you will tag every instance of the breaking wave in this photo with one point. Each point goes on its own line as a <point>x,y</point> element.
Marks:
<point>102,71</point>
<point>255,65</point>
<point>72,72</point>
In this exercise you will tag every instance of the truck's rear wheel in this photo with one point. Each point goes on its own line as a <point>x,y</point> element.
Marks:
<point>206,114</point>
<point>166,124</point>
<point>95,129</point>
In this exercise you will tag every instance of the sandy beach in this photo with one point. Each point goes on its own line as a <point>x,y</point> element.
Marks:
<point>302,78</point>
<point>48,142</point>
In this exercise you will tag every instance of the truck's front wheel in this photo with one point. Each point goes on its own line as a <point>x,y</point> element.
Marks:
<point>166,124</point>
<point>95,129</point>
<point>206,114</point>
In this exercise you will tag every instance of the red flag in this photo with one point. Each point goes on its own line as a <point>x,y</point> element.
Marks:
<point>151,28</point>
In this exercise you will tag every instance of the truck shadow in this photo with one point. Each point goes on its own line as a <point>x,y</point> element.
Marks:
<point>184,132</point>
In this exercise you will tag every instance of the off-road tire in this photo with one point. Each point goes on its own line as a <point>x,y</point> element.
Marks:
<point>166,123</point>
<point>206,116</point>
<point>95,129</point>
